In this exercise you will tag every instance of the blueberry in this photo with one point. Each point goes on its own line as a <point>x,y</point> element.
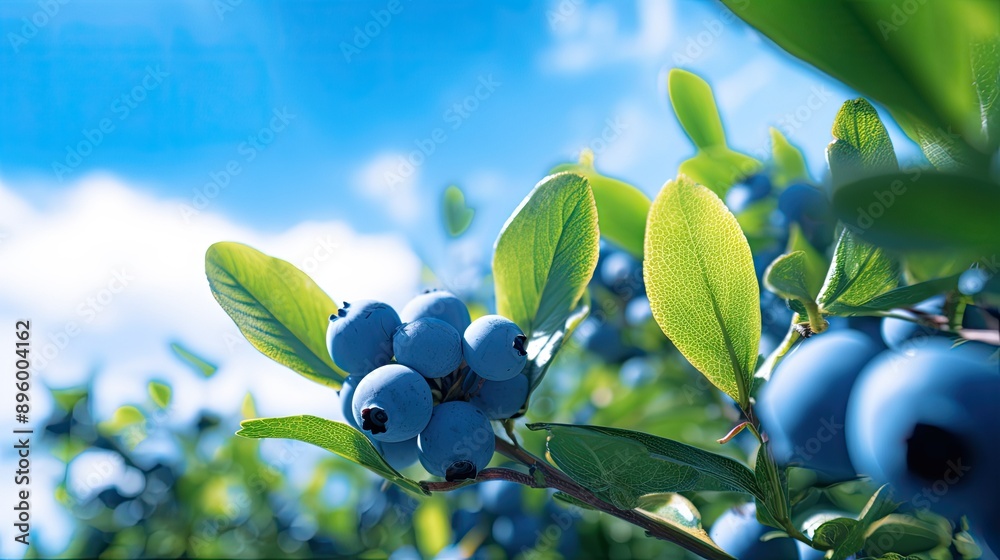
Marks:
<point>392,403</point>
<point>347,399</point>
<point>428,345</point>
<point>622,274</point>
<point>359,336</point>
<point>808,206</point>
<point>804,404</point>
<point>603,339</point>
<point>463,521</point>
<point>494,348</point>
<point>517,533</point>
<point>457,443</point>
<point>500,497</point>
<point>501,399</point>
<point>638,312</point>
<point>900,333</point>
<point>738,532</point>
<point>924,421</point>
<point>748,191</point>
<point>438,304</point>
<point>400,454</point>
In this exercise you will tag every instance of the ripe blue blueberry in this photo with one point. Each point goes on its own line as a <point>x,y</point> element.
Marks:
<point>924,421</point>
<point>622,274</point>
<point>457,443</point>
<point>347,399</point>
<point>738,532</point>
<point>808,206</point>
<point>428,345</point>
<point>400,454</point>
<point>900,333</point>
<point>804,405</point>
<point>359,336</point>
<point>501,399</point>
<point>438,304</point>
<point>748,191</point>
<point>494,348</point>
<point>638,311</point>
<point>500,497</point>
<point>517,533</point>
<point>392,403</point>
<point>603,339</point>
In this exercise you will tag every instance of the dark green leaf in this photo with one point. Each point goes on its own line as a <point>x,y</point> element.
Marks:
<point>907,296</point>
<point>986,76</point>
<point>276,306</point>
<point>621,208</point>
<point>834,532</point>
<point>701,284</point>
<point>333,436</point>
<point>861,145</point>
<point>621,465</point>
<point>879,506</point>
<point>816,264</point>
<point>542,349</point>
<point>196,362</point>
<point>925,210</point>
<point>457,215</point>
<point>772,505</point>
<point>905,534</point>
<point>860,272</point>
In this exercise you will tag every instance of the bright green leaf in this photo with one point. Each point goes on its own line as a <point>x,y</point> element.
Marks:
<point>907,296</point>
<point>123,418</point>
<point>773,503</point>
<point>160,393</point>
<point>860,272</point>
<point>677,512</point>
<point>276,306</point>
<point>543,259</point>
<point>786,276</point>
<point>701,284</point>
<point>861,145</point>
<point>333,436</point>
<point>196,362</point>
<point>622,465</point>
<point>719,168</point>
<point>432,526</point>
<point>816,264</point>
<point>694,105</point>
<point>457,215</point>
<point>621,208</point>
<point>922,211</point>
<point>788,163</point>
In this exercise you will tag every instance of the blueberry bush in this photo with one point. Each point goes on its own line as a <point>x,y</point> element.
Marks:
<point>810,366</point>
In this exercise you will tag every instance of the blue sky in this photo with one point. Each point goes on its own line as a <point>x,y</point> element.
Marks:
<point>135,134</point>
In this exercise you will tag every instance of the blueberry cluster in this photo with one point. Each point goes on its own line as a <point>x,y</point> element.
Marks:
<point>619,305</point>
<point>919,415</point>
<point>424,384</point>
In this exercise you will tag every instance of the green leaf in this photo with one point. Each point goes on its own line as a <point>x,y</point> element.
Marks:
<point>861,145</point>
<point>677,512</point>
<point>542,262</point>
<point>160,393</point>
<point>922,210</point>
<point>907,296</point>
<point>786,276</point>
<point>860,272</point>
<point>701,284</point>
<point>788,163</point>
<point>879,506</point>
<point>123,418</point>
<point>986,77</point>
<point>276,306</point>
<point>542,349</point>
<point>907,535</point>
<point>773,504</point>
<point>457,215</point>
<point>333,436</point>
<point>816,264</point>
<point>694,105</point>
<point>834,532</point>
<point>432,526</point>
<point>621,208</point>
<point>915,62</point>
<point>197,363</point>
<point>621,465</point>
<point>719,168</point>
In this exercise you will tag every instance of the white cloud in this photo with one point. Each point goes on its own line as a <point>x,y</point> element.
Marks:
<point>586,36</point>
<point>110,275</point>
<point>391,180</point>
